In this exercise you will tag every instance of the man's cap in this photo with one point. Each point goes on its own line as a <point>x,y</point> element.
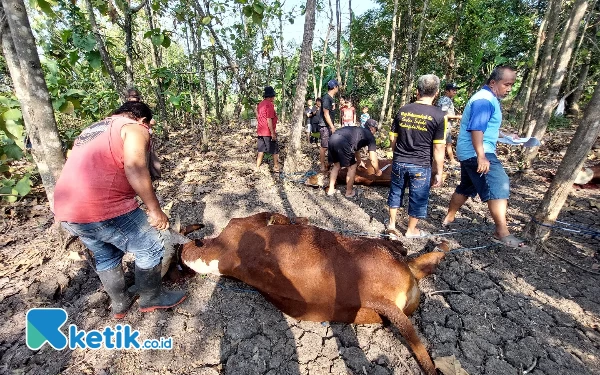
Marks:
<point>451,86</point>
<point>372,124</point>
<point>331,84</point>
<point>269,92</point>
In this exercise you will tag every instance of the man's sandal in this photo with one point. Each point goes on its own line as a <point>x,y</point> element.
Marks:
<point>511,241</point>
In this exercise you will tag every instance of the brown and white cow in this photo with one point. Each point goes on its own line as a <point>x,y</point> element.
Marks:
<point>313,274</point>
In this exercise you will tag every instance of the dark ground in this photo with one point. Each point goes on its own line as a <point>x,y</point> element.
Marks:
<point>508,310</point>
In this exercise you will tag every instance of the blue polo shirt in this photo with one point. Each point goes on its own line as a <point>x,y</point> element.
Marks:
<point>482,113</point>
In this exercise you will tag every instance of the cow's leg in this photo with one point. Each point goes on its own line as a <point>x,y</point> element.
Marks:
<point>401,321</point>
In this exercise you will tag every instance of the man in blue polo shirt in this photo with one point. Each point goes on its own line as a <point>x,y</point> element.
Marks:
<point>481,173</point>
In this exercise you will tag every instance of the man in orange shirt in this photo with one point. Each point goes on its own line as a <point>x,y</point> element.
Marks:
<point>266,118</point>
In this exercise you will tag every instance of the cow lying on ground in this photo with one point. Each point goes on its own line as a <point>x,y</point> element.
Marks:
<point>589,175</point>
<point>313,274</point>
<point>365,175</point>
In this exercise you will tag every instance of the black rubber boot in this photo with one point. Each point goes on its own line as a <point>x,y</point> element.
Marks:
<point>152,295</point>
<point>114,284</point>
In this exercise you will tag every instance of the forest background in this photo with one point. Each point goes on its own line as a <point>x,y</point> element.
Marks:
<point>202,65</point>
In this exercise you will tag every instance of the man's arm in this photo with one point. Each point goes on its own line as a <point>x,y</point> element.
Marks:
<point>135,148</point>
<point>483,164</point>
<point>270,125</point>
<point>439,150</point>
<point>375,162</point>
<point>328,120</point>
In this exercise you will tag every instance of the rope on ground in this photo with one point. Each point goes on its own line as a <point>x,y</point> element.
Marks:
<point>476,229</point>
<point>586,229</point>
<point>460,250</point>
<point>584,232</point>
<point>568,261</point>
<point>301,180</point>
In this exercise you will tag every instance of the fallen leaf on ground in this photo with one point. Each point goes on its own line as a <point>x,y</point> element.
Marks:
<point>449,366</point>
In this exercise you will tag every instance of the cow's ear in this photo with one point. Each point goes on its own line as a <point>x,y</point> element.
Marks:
<point>425,264</point>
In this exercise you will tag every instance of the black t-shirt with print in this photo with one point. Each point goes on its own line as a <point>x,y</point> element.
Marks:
<point>327,103</point>
<point>418,126</point>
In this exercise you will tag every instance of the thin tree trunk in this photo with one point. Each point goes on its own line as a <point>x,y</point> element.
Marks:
<point>218,111</point>
<point>450,42</point>
<point>586,23</point>
<point>325,45</point>
<point>585,136</point>
<point>203,89</point>
<point>540,83</point>
<point>106,59</point>
<point>407,87</point>
<point>414,57</point>
<point>293,156</point>
<point>338,15</point>
<point>534,66</point>
<point>390,62</point>
<point>573,101</point>
<point>20,51</point>
<point>314,76</point>
<point>349,57</point>
<point>128,13</point>
<point>541,123</point>
<point>283,98</point>
<point>157,62</point>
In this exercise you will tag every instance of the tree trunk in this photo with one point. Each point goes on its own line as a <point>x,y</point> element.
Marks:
<point>314,76</point>
<point>218,111</point>
<point>450,42</point>
<point>577,152</point>
<point>283,98</point>
<point>549,101</point>
<point>349,57</point>
<point>203,89</point>
<point>338,16</point>
<point>407,86</point>
<point>573,101</point>
<point>20,51</point>
<point>325,45</point>
<point>390,63</point>
<point>157,62</point>
<point>414,57</point>
<point>541,77</point>
<point>106,60</point>
<point>294,155</point>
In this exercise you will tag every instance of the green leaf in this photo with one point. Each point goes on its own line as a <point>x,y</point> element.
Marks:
<point>206,20</point>
<point>258,7</point>
<point>248,11</point>
<point>23,187</point>
<point>8,190</point>
<point>157,39</point>
<point>291,20</point>
<point>13,114</point>
<point>74,92</point>
<point>65,35</point>
<point>155,5</point>
<point>15,129</point>
<point>84,42</point>
<point>257,18</point>
<point>67,107</point>
<point>58,102</point>
<point>93,58</point>
<point>73,57</point>
<point>148,33</point>
<point>45,7</point>
<point>13,151</point>
<point>166,42</point>
<point>119,68</point>
<point>175,100</point>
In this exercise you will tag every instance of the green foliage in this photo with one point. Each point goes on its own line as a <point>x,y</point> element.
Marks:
<point>558,122</point>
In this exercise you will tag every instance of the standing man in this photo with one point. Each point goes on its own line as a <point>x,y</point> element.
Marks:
<point>95,200</point>
<point>418,129</point>
<point>481,173</point>
<point>266,129</point>
<point>446,104</point>
<point>327,127</point>
<point>344,151</point>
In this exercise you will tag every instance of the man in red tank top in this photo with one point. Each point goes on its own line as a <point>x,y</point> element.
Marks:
<point>266,129</point>
<point>94,199</point>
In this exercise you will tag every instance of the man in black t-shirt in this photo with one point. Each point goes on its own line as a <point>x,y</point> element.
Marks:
<point>417,134</point>
<point>344,151</point>
<point>327,126</point>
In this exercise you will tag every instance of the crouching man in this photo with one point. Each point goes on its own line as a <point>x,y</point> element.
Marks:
<point>94,199</point>
<point>344,151</point>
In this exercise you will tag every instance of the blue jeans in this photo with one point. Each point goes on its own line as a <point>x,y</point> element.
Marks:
<point>418,180</point>
<point>493,185</point>
<point>108,240</point>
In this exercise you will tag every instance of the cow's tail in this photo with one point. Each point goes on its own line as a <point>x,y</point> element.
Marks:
<point>404,325</point>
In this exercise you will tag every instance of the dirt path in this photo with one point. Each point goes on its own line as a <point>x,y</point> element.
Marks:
<point>507,310</point>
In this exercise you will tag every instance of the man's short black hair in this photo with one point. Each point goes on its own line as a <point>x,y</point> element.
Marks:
<point>136,110</point>
<point>498,73</point>
<point>317,100</point>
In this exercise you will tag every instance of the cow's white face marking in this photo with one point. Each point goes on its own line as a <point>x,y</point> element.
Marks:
<point>202,267</point>
<point>404,299</point>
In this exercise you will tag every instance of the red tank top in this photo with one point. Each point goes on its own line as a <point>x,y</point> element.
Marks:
<point>92,186</point>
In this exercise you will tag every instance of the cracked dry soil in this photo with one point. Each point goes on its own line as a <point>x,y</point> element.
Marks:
<point>508,309</point>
